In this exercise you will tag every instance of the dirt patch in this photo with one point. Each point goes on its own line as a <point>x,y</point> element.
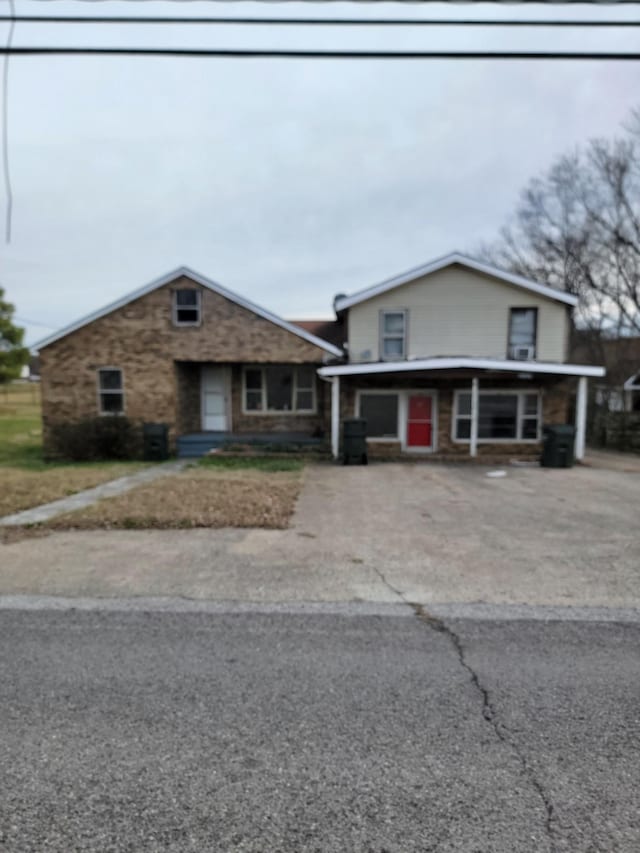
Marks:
<point>22,489</point>
<point>195,498</point>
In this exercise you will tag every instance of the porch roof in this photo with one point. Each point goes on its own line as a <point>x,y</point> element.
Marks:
<point>461,363</point>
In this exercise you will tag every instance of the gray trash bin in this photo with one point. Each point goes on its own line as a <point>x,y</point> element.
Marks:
<point>155,442</point>
<point>354,441</point>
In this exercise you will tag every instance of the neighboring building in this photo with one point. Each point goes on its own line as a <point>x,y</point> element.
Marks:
<point>187,352</point>
<point>460,359</point>
<point>620,391</point>
<point>455,358</point>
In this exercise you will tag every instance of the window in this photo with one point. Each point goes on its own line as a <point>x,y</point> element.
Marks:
<point>110,391</point>
<point>509,416</point>
<point>381,413</point>
<point>523,323</point>
<point>393,334</point>
<point>280,388</point>
<point>186,307</point>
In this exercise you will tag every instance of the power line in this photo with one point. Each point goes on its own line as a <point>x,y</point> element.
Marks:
<point>264,53</point>
<point>418,2</point>
<point>315,22</point>
<point>5,128</point>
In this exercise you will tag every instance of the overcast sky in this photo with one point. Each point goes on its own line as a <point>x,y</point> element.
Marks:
<point>286,181</point>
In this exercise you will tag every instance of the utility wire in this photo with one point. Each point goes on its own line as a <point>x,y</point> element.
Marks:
<point>419,2</point>
<point>5,126</point>
<point>263,53</point>
<point>315,22</point>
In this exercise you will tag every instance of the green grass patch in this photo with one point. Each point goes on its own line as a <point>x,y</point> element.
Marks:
<point>256,463</point>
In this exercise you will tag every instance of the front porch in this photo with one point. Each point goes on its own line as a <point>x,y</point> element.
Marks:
<point>458,407</point>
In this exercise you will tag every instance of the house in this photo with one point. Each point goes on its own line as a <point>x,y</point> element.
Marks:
<point>460,359</point>
<point>455,358</point>
<point>620,391</point>
<point>185,351</point>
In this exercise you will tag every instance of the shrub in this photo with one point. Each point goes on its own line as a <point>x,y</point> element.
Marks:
<point>97,439</point>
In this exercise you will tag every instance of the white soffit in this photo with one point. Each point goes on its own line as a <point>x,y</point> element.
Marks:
<point>461,363</point>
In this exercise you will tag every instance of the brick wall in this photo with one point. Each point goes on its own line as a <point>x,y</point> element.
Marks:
<point>140,338</point>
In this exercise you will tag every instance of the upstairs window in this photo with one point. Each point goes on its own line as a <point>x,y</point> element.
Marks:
<point>393,335</point>
<point>186,307</point>
<point>523,324</point>
<point>110,391</point>
<point>280,388</point>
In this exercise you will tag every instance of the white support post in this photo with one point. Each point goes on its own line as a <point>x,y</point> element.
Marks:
<point>581,417</point>
<point>335,416</point>
<point>473,442</point>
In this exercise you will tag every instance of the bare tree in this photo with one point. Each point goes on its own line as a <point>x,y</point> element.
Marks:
<point>578,228</point>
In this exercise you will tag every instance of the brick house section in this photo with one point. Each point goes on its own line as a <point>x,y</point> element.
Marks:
<point>160,362</point>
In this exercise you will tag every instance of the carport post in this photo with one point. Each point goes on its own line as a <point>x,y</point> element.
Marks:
<point>473,438</point>
<point>581,417</point>
<point>335,416</point>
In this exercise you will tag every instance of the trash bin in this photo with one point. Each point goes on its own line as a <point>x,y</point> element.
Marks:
<point>558,446</point>
<point>354,441</point>
<point>155,442</point>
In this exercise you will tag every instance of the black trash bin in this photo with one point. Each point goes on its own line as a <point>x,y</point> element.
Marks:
<point>354,441</point>
<point>155,442</point>
<point>558,446</point>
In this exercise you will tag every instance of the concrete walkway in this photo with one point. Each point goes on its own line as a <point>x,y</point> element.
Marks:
<point>612,460</point>
<point>90,496</point>
<point>431,534</point>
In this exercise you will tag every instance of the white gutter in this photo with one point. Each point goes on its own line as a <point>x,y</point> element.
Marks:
<point>461,363</point>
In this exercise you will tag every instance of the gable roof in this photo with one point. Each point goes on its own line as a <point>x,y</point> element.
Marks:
<point>329,330</point>
<point>343,302</point>
<point>205,282</point>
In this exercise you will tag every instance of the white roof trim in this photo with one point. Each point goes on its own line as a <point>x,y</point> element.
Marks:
<point>461,363</point>
<point>632,383</point>
<point>198,279</point>
<point>447,260</point>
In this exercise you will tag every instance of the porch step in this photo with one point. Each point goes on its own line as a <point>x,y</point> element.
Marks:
<point>198,444</point>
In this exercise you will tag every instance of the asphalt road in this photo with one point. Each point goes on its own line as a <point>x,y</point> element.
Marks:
<point>352,731</point>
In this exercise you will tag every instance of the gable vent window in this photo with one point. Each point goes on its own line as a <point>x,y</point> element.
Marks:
<point>523,324</point>
<point>393,335</point>
<point>186,307</point>
<point>110,391</point>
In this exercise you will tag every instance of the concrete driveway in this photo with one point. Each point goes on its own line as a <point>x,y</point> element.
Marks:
<point>426,533</point>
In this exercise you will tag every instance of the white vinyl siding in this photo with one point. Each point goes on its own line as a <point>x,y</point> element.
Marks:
<point>457,312</point>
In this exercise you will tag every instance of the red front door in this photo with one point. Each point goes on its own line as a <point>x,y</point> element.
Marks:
<point>419,421</point>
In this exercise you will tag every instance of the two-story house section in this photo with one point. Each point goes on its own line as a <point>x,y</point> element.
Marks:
<point>460,359</point>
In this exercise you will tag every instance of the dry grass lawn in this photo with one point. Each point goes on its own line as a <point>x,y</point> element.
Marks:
<point>197,497</point>
<point>25,479</point>
<point>23,489</point>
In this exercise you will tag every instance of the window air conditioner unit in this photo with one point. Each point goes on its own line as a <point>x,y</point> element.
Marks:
<point>522,353</point>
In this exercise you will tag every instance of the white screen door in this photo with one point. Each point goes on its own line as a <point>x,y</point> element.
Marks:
<point>215,398</point>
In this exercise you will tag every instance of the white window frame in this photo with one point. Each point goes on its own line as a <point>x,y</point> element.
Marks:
<point>403,395</point>
<point>294,392</point>
<point>533,347</point>
<point>384,336</point>
<point>101,391</point>
<point>197,307</point>
<point>521,393</point>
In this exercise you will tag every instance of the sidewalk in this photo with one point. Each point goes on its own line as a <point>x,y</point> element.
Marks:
<point>90,496</point>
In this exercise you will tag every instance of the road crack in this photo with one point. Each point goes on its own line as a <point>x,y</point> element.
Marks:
<point>489,712</point>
